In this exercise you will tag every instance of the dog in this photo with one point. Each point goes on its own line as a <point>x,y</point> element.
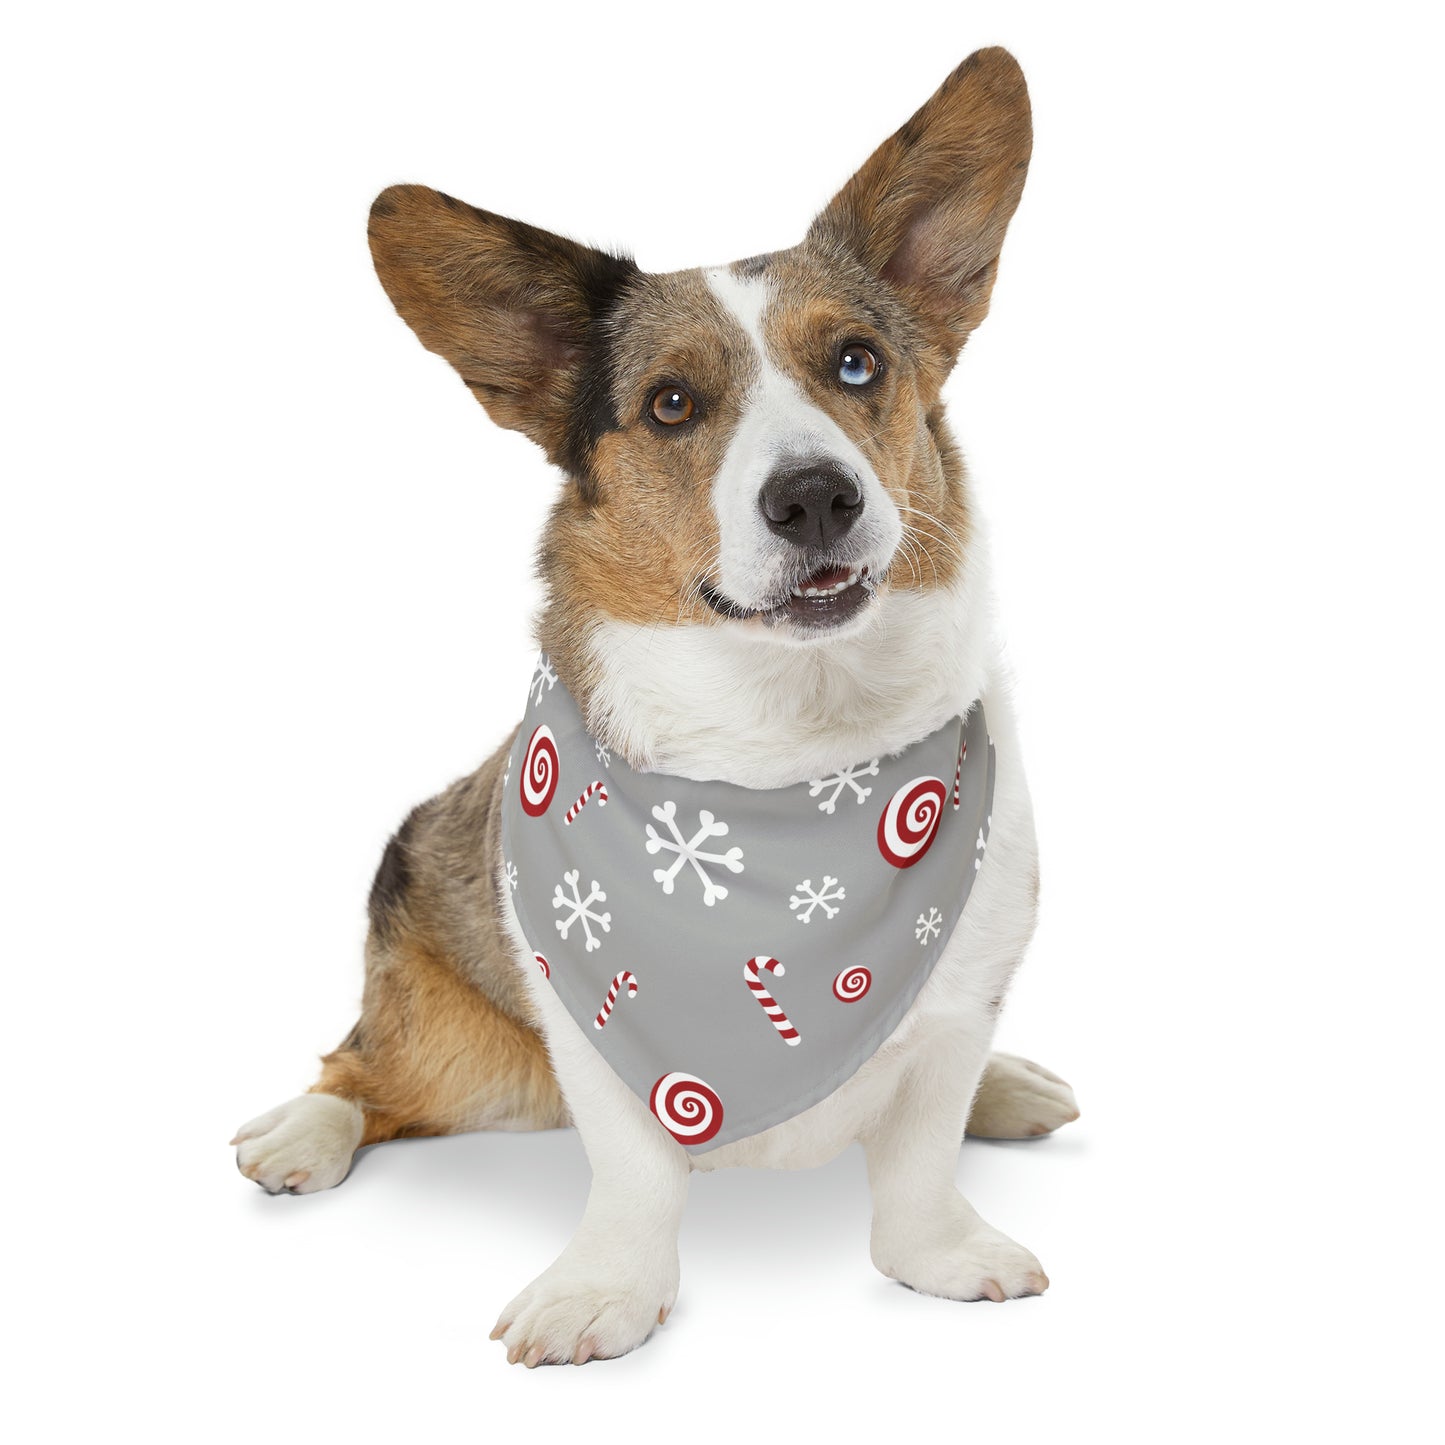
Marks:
<point>763,566</point>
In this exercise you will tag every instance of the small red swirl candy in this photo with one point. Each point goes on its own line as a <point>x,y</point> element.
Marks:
<point>539,772</point>
<point>910,821</point>
<point>543,966</point>
<point>852,984</point>
<point>688,1108</point>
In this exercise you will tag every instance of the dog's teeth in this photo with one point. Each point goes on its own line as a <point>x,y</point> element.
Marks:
<point>849,581</point>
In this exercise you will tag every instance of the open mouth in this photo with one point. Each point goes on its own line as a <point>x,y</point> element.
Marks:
<point>820,600</point>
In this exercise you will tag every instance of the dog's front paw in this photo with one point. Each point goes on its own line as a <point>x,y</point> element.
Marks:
<point>978,1264</point>
<point>582,1310</point>
<point>300,1146</point>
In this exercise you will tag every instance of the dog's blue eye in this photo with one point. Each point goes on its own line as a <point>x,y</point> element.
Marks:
<point>857,366</point>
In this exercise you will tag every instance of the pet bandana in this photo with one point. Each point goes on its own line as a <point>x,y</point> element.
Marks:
<point>736,954</point>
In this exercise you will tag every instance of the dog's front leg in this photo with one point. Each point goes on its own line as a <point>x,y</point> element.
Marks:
<point>925,1233</point>
<point>617,1279</point>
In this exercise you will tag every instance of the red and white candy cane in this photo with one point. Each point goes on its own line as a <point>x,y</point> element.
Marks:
<point>605,1012</point>
<point>596,787</point>
<point>958,771</point>
<point>780,1020</point>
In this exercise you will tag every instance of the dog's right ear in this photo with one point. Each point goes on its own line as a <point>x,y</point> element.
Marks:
<point>515,309</point>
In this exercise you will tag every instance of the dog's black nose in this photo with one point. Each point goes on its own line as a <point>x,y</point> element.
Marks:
<point>811,503</point>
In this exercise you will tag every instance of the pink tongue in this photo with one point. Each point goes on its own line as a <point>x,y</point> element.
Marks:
<point>828,577</point>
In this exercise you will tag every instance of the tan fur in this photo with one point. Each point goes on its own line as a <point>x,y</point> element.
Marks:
<point>446,1040</point>
<point>434,1055</point>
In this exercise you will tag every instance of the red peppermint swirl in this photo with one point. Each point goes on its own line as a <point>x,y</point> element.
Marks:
<point>689,1109</point>
<point>852,984</point>
<point>543,965</point>
<point>539,772</point>
<point>910,821</point>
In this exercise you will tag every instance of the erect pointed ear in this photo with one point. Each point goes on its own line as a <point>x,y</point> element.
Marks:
<point>928,211</point>
<point>517,310</point>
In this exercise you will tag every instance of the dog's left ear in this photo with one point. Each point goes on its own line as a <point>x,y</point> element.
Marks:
<point>928,211</point>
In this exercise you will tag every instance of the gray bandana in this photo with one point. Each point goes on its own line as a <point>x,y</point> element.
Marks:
<point>735,953</point>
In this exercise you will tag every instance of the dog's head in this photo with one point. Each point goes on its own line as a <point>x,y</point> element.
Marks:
<point>753,446</point>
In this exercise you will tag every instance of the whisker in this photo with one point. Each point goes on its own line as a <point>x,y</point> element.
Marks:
<point>937,522</point>
<point>691,592</point>
<point>950,545</point>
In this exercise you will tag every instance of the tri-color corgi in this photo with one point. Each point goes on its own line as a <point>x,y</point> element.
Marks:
<point>763,570</point>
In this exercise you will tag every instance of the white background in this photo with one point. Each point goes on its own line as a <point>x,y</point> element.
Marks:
<point>265,586</point>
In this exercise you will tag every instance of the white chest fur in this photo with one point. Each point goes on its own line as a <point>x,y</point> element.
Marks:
<point>735,704</point>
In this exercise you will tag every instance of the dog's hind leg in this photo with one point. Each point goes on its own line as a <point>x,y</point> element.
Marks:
<point>1017,1099</point>
<point>431,1054</point>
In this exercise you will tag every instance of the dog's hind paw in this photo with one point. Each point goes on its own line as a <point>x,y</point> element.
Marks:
<point>1019,1100</point>
<point>301,1146</point>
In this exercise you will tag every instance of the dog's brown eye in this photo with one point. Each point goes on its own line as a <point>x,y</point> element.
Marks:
<point>857,366</point>
<point>671,405</point>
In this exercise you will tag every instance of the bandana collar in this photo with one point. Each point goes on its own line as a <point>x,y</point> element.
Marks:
<point>736,954</point>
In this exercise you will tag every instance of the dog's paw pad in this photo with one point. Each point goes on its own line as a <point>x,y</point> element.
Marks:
<point>301,1146</point>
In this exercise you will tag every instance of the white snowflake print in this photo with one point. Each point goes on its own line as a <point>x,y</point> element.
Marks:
<point>604,755</point>
<point>544,679</point>
<point>688,851</point>
<point>511,872</point>
<point>827,898</point>
<point>981,845</point>
<point>844,778</point>
<point>581,908</point>
<point>928,926</point>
